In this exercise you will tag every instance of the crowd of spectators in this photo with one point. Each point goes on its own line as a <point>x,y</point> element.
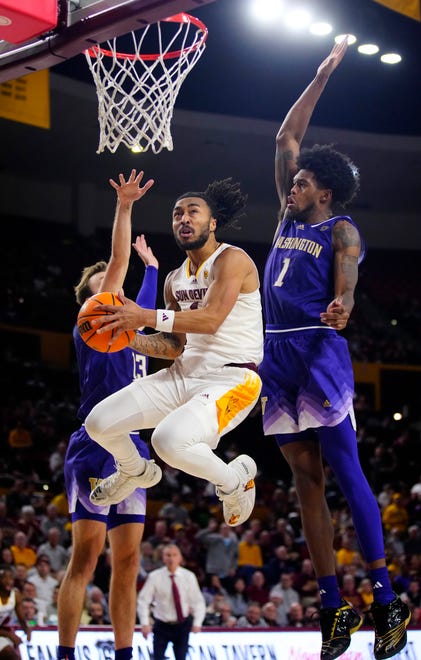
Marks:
<point>255,575</point>
<point>258,575</point>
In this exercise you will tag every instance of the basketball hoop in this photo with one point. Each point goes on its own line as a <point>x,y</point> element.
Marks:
<point>137,91</point>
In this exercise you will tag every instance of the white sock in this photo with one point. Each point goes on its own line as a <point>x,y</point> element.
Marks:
<point>228,492</point>
<point>129,459</point>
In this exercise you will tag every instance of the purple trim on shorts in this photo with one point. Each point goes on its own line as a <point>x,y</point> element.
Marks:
<point>111,519</point>
<point>123,519</point>
<point>287,329</point>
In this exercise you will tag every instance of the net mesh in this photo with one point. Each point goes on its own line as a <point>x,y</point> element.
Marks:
<point>137,91</point>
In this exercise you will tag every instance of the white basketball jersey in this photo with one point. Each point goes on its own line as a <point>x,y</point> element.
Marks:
<point>239,339</point>
<point>7,609</point>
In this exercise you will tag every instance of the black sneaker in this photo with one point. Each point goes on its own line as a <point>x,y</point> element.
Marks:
<point>337,626</point>
<point>390,622</point>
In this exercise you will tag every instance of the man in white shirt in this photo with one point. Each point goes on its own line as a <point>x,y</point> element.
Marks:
<point>44,582</point>
<point>285,590</point>
<point>158,592</point>
<point>56,553</point>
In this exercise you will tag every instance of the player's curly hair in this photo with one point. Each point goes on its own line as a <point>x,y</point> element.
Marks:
<point>333,170</point>
<point>82,290</point>
<point>225,200</point>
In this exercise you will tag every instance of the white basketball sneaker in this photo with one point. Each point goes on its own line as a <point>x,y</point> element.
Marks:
<point>239,504</point>
<point>118,486</point>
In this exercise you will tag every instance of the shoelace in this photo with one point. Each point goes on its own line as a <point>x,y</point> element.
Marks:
<point>218,495</point>
<point>113,477</point>
<point>227,498</point>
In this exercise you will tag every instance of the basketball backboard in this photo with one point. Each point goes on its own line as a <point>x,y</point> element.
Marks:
<point>82,23</point>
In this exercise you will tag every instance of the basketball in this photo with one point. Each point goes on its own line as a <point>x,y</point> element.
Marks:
<point>88,332</point>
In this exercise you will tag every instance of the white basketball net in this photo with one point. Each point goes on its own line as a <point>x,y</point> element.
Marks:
<point>137,91</point>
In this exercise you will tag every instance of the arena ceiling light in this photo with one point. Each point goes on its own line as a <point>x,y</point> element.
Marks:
<point>267,10</point>
<point>298,19</point>
<point>301,19</point>
<point>351,38</point>
<point>391,58</point>
<point>368,49</point>
<point>321,28</point>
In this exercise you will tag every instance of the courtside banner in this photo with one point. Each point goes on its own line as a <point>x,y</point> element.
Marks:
<point>97,644</point>
<point>27,99</point>
<point>410,8</point>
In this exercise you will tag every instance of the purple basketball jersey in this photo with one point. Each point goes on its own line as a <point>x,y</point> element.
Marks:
<point>298,280</point>
<point>306,370</point>
<point>102,374</point>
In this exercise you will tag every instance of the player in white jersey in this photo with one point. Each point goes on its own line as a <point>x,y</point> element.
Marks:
<point>10,612</point>
<point>237,338</point>
<point>212,329</point>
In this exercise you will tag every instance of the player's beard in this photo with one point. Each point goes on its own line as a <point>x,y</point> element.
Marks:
<point>195,244</point>
<point>300,216</point>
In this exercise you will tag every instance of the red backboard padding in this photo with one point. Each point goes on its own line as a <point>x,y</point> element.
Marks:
<point>21,20</point>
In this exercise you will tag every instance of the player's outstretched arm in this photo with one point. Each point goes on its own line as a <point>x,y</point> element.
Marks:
<point>295,124</point>
<point>145,252</point>
<point>146,296</point>
<point>128,192</point>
